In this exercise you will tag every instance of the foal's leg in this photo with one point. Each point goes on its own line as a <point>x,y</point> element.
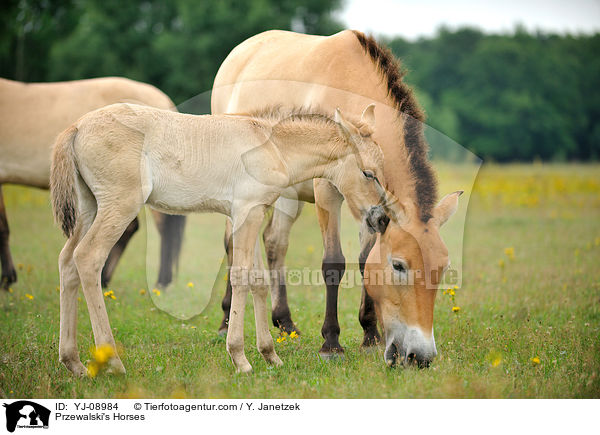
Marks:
<point>244,239</point>
<point>329,202</point>
<point>260,289</point>
<point>90,255</point>
<point>115,253</point>
<point>69,287</point>
<point>276,237</point>
<point>366,315</point>
<point>9,274</point>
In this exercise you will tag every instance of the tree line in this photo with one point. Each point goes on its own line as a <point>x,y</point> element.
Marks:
<point>518,96</point>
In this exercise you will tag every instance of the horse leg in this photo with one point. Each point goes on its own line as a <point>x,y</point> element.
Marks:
<point>260,289</point>
<point>69,287</point>
<point>366,315</point>
<point>334,263</point>
<point>244,240</point>
<point>9,274</point>
<point>90,255</point>
<point>116,252</point>
<point>226,302</point>
<point>276,237</point>
<point>171,229</point>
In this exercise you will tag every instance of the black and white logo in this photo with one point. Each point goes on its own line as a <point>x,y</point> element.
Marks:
<point>25,414</point>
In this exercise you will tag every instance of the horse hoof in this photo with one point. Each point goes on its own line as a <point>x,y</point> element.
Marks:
<point>116,367</point>
<point>370,342</point>
<point>222,331</point>
<point>332,354</point>
<point>286,326</point>
<point>7,279</point>
<point>245,368</point>
<point>76,368</point>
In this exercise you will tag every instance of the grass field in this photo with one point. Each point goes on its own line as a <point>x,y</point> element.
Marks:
<point>529,323</point>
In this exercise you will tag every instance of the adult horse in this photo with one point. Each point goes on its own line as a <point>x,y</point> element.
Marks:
<point>114,160</point>
<point>32,115</point>
<point>349,70</point>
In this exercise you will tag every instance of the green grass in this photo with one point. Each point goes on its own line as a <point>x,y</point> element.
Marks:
<point>544,303</point>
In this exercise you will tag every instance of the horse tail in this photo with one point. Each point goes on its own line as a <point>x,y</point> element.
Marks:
<point>63,174</point>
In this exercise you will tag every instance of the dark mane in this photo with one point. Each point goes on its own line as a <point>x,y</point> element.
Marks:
<point>413,116</point>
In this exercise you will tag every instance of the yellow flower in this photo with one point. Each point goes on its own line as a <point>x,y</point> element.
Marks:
<point>225,277</point>
<point>280,339</point>
<point>10,290</point>
<point>156,291</point>
<point>28,296</point>
<point>496,361</point>
<point>92,369</point>
<point>310,249</point>
<point>294,334</point>
<point>456,287</point>
<point>142,291</point>
<point>535,361</point>
<point>455,309</point>
<point>451,292</point>
<point>103,353</point>
<point>190,284</point>
<point>501,263</point>
<point>597,241</point>
<point>510,252</point>
<point>110,294</point>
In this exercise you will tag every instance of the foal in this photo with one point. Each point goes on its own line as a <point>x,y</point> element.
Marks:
<point>116,159</point>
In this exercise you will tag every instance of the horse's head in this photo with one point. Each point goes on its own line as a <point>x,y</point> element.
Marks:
<point>362,187</point>
<point>402,274</point>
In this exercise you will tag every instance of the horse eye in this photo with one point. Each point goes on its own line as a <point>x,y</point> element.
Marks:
<point>369,175</point>
<point>399,266</point>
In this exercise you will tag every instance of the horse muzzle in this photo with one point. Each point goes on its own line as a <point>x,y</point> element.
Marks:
<point>408,346</point>
<point>376,219</point>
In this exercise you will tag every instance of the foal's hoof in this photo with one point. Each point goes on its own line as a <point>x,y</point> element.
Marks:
<point>244,368</point>
<point>76,367</point>
<point>223,331</point>
<point>116,367</point>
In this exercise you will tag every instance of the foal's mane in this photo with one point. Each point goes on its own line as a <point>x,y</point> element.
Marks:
<point>413,117</point>
<point>284,116</point>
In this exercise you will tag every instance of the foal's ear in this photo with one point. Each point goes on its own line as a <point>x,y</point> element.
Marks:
<point>446,207</point>
<point>368,116</point>
<point>265,164</point>
<point>347,128</point>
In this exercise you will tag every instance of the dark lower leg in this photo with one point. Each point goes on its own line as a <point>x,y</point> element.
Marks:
<point>366,315</point>
<point>9,274</point>
<point>226,302</point>
<point>333,270</point>
<point>171,239</point>
<point>116,252</point>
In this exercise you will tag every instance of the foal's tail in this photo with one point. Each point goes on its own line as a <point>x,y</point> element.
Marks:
<point>63,176</point>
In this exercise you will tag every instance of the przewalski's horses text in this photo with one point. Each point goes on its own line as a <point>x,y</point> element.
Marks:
<point>31,117</point>
<point>118,158</point>
<point>349,70</point>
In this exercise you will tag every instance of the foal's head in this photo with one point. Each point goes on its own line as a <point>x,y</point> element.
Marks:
<point>359,174</point>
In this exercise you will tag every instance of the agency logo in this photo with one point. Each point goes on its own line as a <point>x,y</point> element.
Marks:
<point>26,414</point>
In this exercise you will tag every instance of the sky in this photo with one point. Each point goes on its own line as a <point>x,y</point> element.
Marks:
<point>414,18</point>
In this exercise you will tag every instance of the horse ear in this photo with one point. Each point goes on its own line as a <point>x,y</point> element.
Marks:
<point>347,128</point>
<point>265,164</point>
<point>446,207</point>
<point>368,116</point>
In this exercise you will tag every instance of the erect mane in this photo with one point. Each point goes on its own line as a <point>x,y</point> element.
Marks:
<point>283,115</point>
<point>414,139</point>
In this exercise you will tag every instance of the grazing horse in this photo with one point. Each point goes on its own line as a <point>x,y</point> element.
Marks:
<point>32,115</point>
<point>116,159</point>
<point>349,70</point>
